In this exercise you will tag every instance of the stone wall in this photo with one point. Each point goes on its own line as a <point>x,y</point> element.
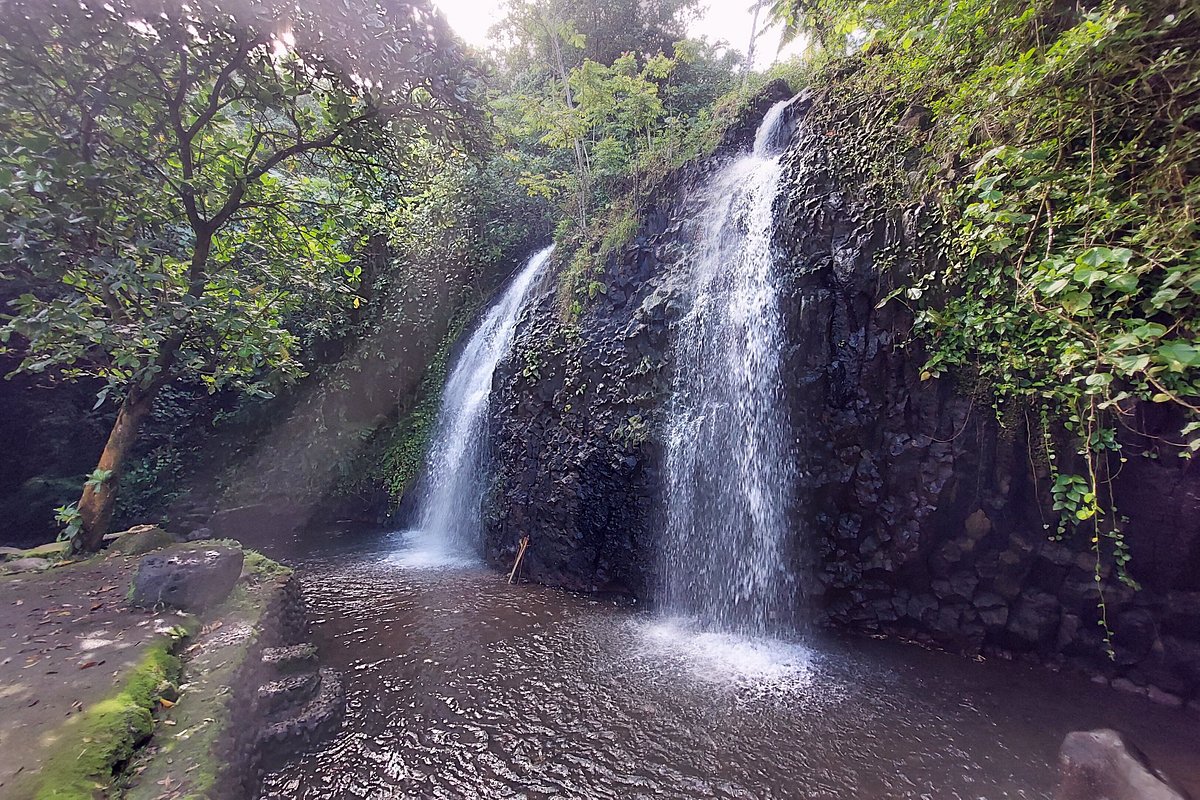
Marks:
<point>238,750</point>
<point>921,515</point>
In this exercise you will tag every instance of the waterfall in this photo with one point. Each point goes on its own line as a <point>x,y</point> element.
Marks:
<point>726,560</point>
<point>449,513</point>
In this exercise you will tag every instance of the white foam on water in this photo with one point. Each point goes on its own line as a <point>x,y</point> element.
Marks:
<point>762,664</point>
<point>427,550</point>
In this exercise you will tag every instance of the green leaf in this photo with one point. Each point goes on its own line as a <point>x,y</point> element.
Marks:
<point>1131,364</point>
<point>1054,287</point>
<point>1076,302</point>
<point>1095,257</point>
<point>1179,355</point>
<point>1125,282</point>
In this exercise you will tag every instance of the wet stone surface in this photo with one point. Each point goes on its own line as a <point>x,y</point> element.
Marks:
<point>192,579</point>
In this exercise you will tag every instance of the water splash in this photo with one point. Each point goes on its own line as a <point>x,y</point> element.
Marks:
<point>726,560</point>
<point>760,665</point>
<point>450,510</point>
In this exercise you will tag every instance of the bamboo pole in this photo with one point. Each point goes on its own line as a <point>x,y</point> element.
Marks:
<point>512,576</point>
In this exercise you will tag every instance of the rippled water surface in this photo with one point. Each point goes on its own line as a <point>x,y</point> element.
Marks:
<point>461,686</point>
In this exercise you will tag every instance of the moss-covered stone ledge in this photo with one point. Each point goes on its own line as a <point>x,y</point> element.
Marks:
<point>112,699</point>
<point>208,744</point>
<point>106,734</point>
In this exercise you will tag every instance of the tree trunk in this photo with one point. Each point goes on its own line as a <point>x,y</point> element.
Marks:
<point>98,501</point>
<point>581,165</point>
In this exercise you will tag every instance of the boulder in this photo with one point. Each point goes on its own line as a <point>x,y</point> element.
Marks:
<point>198,535</point>
<point>48,549</point>
<point>141,539</point>
<point>191,580</point>
<point>1104,765</point>
<point>25,565</point>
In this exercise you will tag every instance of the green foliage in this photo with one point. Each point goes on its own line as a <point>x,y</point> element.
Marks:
<point>1062,267</point>
<point>598,109</point>
<point>69,521</point>
<point>175,232</point>
<point>598,30</point>
<point>579,281</point>
<point>604,115</point>
<point>183,192</point>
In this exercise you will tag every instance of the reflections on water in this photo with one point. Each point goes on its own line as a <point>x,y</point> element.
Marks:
<point>461,686</point>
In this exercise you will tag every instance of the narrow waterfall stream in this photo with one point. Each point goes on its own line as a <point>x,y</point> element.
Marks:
<point>725,555</point>
<point>448,516</point>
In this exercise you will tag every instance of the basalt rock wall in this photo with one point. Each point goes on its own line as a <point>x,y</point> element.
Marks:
<point>577,410</point>
<point>930,516</point>
<point>921,514</point>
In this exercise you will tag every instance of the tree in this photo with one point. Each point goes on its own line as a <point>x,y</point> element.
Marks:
<point>599,30</point>
<point>161,169</point>
<point>826,25</point>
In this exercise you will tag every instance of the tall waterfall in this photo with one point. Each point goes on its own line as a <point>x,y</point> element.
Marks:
<point>450,511</point>
<point>726,562</point>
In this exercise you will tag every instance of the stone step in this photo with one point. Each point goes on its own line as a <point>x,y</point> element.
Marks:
<point>293,658</point>
<point>318,719</point>
<point>287,693</point>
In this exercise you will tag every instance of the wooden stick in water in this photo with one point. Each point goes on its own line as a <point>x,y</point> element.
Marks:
<point>520,554</point>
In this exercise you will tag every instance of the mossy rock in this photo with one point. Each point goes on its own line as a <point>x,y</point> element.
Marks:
<point>80,766</point>
<point>46,550</point>
<point>141,539</point>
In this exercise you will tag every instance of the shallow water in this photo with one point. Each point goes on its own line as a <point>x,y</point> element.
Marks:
<point>461,686</point>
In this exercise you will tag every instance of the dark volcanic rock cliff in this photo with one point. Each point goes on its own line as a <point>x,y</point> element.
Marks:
<point>920,514</point>
<point>577,410</point>
<point>930,517</point>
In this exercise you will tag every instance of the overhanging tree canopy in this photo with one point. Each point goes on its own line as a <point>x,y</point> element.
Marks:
<point>166,188</point>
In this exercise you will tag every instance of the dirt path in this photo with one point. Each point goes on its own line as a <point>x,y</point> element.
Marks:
<point>67,636</point>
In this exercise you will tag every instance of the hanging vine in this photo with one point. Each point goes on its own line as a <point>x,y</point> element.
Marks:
<point>1061,268</point>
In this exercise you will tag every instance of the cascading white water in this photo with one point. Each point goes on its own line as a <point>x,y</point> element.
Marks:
<point>726,560</point>
<point>450,510</point>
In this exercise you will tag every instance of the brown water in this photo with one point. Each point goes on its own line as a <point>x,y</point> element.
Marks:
<point>461,686</point>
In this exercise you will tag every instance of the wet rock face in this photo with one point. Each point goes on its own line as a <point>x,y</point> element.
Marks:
<point>190,580</point>
<point>574,464</point>
<point>577,410</point>
<point>919,514</point>
<point>928,517</point>
<point>1103,764</point>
